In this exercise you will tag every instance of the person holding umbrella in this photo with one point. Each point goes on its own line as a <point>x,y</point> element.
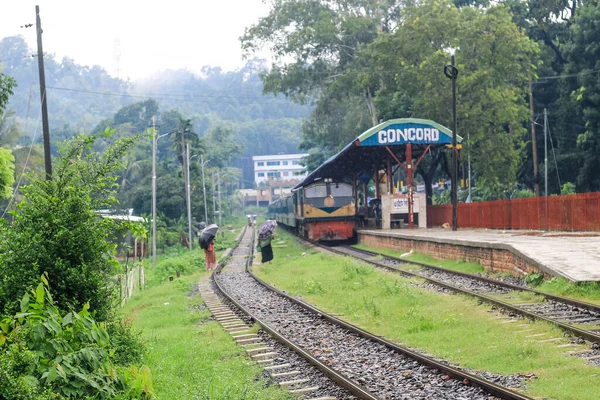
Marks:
<point>266,233</point>
<point>207,242</point>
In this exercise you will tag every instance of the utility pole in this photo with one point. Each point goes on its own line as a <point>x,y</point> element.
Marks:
<point>452,73</point>
<point>545,152</point>
<point>214,199</point>
<point>154,140</point>
<point>536,179</point>
<point>204,190</point>
<point>43,95</point>
<point>219,193</point>
<point>188,195</point>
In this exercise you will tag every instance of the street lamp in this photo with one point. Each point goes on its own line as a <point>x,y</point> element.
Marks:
<point>451,72</point>
<point>155,138</point>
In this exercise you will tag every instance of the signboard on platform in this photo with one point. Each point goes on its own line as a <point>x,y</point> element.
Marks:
<point>400,204</point>
<point>407,130</point>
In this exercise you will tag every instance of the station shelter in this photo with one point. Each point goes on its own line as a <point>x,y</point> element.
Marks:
<point>377,154</point>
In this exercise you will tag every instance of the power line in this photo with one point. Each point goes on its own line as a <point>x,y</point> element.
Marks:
<point>37,125</point>
<point>159,96</point>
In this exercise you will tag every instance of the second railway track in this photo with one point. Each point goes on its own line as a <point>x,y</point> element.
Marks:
<point>365,364</point>
<point>569,314</point>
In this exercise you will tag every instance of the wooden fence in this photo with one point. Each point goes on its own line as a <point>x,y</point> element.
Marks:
<point>129,283</point>
<point>573,212</point>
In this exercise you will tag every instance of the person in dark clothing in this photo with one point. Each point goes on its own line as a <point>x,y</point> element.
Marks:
<point>361,214</point>
<point>266,234</point>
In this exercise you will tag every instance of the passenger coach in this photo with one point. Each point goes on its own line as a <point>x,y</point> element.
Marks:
<point>323,211</point>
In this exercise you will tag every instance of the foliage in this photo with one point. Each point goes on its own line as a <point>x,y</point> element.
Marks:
<point>568,188</point>
<point>522,194</point>
<point>57,230</point>
<point>583,55</point>
<point>125,342</point>
<point>51,355</point>
<point>535,278</point>
<point>7,172</point>
<point>7,84</point>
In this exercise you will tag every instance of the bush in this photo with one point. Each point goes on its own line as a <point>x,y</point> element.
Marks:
<point>56,229</point>
<point>44,355</point>
<point>126,343</point>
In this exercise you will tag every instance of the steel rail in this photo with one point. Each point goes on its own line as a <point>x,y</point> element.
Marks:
<point>332,374</point>
<point>585,334</point>
<point>490,387</point>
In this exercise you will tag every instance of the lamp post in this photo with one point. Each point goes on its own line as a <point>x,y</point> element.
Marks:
<point>451,72</point>
<point>155,138</point>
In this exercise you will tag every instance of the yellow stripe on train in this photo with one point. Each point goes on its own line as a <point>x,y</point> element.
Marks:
<point>314,212</point>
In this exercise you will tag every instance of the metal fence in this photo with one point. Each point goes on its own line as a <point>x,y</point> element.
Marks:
<point>573,212</point>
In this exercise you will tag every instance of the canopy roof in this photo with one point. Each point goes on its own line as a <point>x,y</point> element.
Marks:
<point>368,151</point>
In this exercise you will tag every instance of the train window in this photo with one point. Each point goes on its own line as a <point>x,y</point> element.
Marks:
<point>316,191</point>
<point>341,190</point>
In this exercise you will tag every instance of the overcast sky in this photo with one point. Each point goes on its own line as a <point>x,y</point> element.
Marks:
<point>153,35</point>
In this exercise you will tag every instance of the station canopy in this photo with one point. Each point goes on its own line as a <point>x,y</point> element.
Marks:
<point>370,151</point>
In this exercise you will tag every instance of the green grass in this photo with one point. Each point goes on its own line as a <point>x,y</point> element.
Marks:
<point>192,358</point>
<point>585,291</point>
<point>449,326</point>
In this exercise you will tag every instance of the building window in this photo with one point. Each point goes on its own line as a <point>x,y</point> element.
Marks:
<point>295,162</point>
<point>285,163</point>
<point>285,173</point>
<point>261,174</point>
<point>272,163</point>
<point>260,164</point>
<point>273,174</point>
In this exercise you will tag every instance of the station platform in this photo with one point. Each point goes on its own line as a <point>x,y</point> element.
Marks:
<point>572,255</point>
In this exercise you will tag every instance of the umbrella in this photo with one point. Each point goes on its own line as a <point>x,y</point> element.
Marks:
<point>267,228</point>
<point>208,234</point>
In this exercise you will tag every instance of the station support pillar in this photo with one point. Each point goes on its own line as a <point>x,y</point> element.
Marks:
<point>390,176</point>
<point>409,173</point>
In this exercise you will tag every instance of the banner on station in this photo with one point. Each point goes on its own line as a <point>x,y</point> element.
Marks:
<point>407,130</point>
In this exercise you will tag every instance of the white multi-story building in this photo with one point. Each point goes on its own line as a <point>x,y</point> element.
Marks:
<point>282,167</point>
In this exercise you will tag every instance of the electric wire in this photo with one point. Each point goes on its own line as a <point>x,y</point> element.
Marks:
<point>16,190</point>
<point>554,154</point>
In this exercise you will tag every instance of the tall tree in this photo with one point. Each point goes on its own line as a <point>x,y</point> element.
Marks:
<point>583,55</point>
<point>495,60</point>
<point>314,41</point>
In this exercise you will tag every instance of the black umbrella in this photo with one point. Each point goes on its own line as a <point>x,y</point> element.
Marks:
<point>208,234</point>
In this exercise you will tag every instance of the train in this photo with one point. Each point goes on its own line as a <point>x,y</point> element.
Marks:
<point>321,211</point>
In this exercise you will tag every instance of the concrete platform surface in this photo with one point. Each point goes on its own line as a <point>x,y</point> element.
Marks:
<point>576,256</point>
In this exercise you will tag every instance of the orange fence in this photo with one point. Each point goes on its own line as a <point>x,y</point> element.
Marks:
<point>574,212</point>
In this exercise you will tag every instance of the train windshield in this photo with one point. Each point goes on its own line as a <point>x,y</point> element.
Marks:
<point>341,190</point>
<point>315,192</point>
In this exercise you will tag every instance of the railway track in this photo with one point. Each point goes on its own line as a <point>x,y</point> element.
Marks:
<point>282,365</point>
<point>575,317</point>
<point>365,365</point>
